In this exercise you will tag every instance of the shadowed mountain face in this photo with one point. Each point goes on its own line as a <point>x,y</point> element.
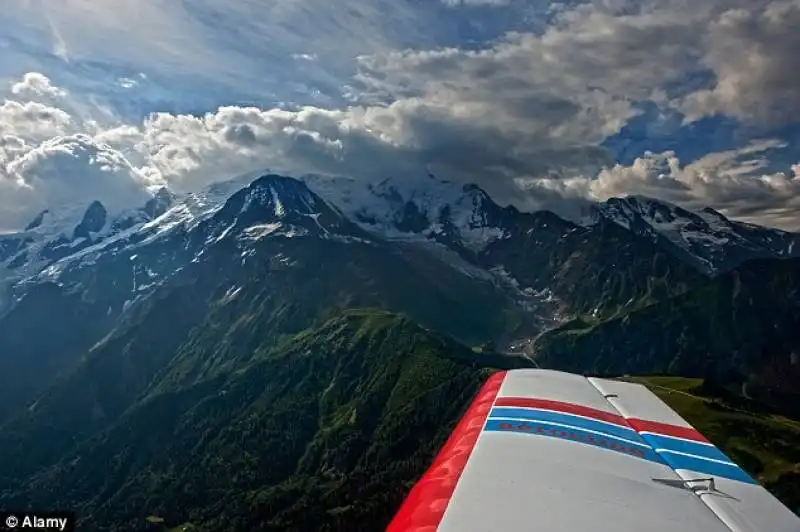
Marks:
<point>93,221</point>
<point>596,270</point>
<point>741,330</point>
<point>705,239</point>
<point>325,431</point>
<point>45,335</point>
<point>313,432</point>
<point>206,366</point>
<point>461,219</point>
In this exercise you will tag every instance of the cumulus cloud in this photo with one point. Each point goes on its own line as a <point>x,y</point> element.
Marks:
<point>35,85</point>
<point>753,53</point>
<point>34,121</point>
<point>67,173</point>
<point>191,151</point>
<point>47,159</point>
<point>732,182</point>
<point>76,169</point>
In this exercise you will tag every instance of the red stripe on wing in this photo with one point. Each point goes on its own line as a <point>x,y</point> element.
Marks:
<point>424,507</point>
<point>666,429</point>
<point>559,406</point>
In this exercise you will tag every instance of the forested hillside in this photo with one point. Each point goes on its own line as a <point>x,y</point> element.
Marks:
<point>741,330</point>
<point>324,432</point>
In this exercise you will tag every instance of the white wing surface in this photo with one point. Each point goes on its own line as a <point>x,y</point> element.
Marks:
<point>548,451</point>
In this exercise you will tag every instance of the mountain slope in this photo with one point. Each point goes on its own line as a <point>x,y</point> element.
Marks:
<point>326,431</point>
<point>461,219</point>
<point>540,252</point>
<point>203,367</point>
<point>490,274</point>
<point>273,259</point>
<point>598,270</point>
<point>277,253</point>
<point>705,239</point>
<point>765,444</point>
<point>465,216</point>
<point>740,329</point>
<point>44,336</point>
<point>234,300</point>
<point>313,434</point>
<point>52,236</point>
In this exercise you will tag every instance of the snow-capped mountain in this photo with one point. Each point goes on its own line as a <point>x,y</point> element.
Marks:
<point>411,208</point>
<point>275,203</point>
<point>75,237</point>
<point>461,221</point>
<point>460,217</point>
<point>706,238</point>
<point>445,251</point>
<point>465,216</point>
<point>150,251</point>
<point>56,234</point>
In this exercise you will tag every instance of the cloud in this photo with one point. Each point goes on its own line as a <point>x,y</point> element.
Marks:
<point>753,53</point>
<point>305,86</point>
<point>76,169</point>
<point>241,49</point>
<point>33,121</point>
<point>191,151</point>
<point>68,173</point>
<point>365,143</point>
<point>732,182</point>
<point>49,158</point>
<point>45,164</point>
<point>471,3</point>
<point>207,53</point>
<point>35,85</point>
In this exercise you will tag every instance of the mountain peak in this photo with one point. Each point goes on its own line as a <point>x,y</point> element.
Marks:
<point>161,201</point>
<point>420,206</point>
<point>281,204</point>
<point>704,237</point>
<point>94,219</point>
<point>37,222</point>
<point>639,209</point>
<point>714,213</point>
<point>643,204</point>
<point>284,195</point>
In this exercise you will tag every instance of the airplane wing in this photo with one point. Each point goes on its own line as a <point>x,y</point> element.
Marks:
<point>546,451</point>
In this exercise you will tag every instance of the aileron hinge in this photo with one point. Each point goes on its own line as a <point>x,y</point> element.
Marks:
<point>710,484</point>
